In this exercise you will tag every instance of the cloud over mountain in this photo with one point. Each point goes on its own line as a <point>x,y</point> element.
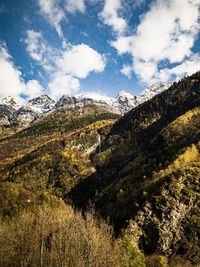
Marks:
<point>166,33</point>
<point>11,79</point>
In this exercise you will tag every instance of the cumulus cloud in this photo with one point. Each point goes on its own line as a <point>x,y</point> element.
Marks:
<point>188,67</point>
<point>110,15</point>
<point>126,70</point>
<point>33,89</point>
<point>80,60</point>
<point>11,80</point>
<point>73,6</point>
<point>167,32</point>
<point>65,65</point>
<point>63,84</point>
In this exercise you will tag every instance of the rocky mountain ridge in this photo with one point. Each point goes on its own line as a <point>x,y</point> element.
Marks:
<point>16,114</point>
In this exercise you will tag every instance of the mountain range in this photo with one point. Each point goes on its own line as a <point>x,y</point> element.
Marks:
<point>17,115</point>
<point>135,160</point>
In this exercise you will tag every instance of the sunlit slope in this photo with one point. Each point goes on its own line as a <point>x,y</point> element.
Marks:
<point>53,154</point>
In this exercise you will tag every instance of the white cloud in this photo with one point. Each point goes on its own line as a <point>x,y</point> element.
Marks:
<point>146,70</point>
<point>63,84</point>
<point>126,70</point>
<point>33,89</point>
<point>35,46</point>
<point>123,44</point>
<point>11,81</point>
<point>80,60</point>
<point>10,78</point>
<point>96,95</point>
<point>72,6</point>
<point>64,65</point>
<point>39,50</point>
<point>167,32</point>
<point>188,67</point>
<point>53,13</point>
<point>110,15</point>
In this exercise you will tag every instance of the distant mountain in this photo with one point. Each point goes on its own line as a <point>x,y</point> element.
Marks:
<point>43,103</point>
<point>82,104</point>
<point>16,115</point>
<point>124,101</point>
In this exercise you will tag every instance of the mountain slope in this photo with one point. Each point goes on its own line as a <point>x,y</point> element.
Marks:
<point>53,154</point>
<point>148,170</point>
<point>141,170</point>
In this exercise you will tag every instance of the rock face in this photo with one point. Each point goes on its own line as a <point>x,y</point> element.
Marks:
<point>18,115</point>
<point>82,104</point>
<point>34,109</point>
<point>159,227</point>
<point>124,102</point>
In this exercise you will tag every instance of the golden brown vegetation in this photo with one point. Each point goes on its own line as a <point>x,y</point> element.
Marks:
<point>57,236</point>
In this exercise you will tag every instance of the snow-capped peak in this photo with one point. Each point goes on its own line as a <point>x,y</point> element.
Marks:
<point>126,101</point>
<point>12,109</point>
<point>13,102</point>
<point>156,88</point>
<point>124,94</point>
<point>43,102</point>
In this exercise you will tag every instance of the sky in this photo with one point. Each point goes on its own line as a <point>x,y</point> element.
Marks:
<point>95,47</point>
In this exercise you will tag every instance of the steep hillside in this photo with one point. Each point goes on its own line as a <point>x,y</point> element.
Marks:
<point>54,154</point>
<point>148,170</point>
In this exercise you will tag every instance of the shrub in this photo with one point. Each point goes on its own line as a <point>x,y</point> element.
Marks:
<point>131,256</point>
<point>156,261</point>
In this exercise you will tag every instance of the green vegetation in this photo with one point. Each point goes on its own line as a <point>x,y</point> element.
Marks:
<point>60,122</point>
<point>130,254</point>
<point>156,261</point>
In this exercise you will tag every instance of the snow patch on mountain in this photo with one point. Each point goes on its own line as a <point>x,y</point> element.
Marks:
<point>13,102</point>
<point>13,110</point>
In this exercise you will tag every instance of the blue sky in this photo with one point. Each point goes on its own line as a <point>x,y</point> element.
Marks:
<point>95,47</point>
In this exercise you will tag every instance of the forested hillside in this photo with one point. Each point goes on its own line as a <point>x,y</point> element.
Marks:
<point>148,173</point>
<point>140,173</point>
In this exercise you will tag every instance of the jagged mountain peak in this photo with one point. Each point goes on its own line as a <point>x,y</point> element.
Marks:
<point>157,88</point>
<point>41,98</point>
<point>124,94</point>
<point>66,100</point>
<point>23,113</point>
<point>43,102</point>
<point>13,102</point>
